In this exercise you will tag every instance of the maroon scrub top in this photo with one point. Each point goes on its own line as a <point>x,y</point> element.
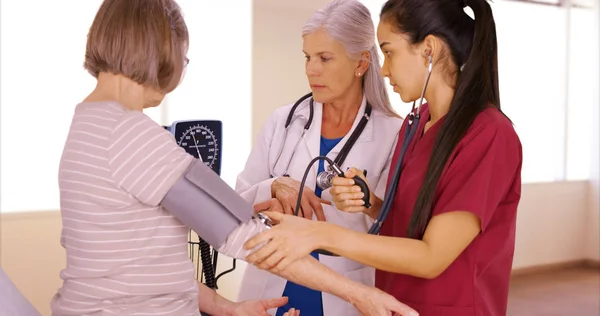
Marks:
<point>482,176</point>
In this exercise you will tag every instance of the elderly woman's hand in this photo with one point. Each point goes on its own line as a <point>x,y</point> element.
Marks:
<point>290,239</point>
<point>256,308</point>
<point>292,312</point>
<point>286,190</point>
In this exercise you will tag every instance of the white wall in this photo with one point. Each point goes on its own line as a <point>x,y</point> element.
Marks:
<point>550,224</point>
<point>278,76</point>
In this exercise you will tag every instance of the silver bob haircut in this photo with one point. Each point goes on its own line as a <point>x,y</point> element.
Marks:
<point>349,23</point>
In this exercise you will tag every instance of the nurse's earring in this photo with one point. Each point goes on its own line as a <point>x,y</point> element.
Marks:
<point>358,74</point>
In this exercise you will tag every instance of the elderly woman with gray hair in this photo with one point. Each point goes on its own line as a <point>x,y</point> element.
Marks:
<point>348,118</point>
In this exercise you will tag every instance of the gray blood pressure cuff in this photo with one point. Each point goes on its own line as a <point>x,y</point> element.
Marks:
<point>234,246</point>
<point>205,203</point>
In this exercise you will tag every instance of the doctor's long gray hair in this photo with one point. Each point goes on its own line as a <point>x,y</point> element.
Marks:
<point>349,23</point>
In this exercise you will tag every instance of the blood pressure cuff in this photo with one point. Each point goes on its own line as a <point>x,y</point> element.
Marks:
<point>205,203</point>
<point>234,246</point>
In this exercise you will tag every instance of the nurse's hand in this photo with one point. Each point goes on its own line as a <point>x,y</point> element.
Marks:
<point>286,190</point>
<point>346,195</point>
<point>290,239</point>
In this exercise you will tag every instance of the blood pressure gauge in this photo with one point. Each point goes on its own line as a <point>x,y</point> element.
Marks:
<point>201,139</point>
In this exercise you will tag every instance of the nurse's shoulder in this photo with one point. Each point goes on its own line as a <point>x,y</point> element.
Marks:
<point>493,121</point>
<point>492,129</point>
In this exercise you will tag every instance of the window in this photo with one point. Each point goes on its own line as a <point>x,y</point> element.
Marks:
<point>582,85</point>
<point>589,4</point>
<point>217,84</point>
<point>532,65</point>
<point>43,80</point>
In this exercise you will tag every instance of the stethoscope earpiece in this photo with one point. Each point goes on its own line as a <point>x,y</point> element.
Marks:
<point>416,110</point>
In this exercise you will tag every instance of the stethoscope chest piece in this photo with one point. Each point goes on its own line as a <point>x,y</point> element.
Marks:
<point>325,179</point>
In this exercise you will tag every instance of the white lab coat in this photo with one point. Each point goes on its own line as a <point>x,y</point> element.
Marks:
<point>372,151</point>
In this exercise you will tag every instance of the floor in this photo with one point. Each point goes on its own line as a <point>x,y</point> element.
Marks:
<point>564,292</point>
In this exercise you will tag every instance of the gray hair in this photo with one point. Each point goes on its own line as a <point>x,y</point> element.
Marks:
<point>349,23</point>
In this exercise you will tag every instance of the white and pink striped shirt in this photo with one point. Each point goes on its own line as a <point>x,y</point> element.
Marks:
<point>126,255</point>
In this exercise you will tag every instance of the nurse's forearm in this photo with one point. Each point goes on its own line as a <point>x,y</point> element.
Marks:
<point>392,254</point>
<point>446,237</point>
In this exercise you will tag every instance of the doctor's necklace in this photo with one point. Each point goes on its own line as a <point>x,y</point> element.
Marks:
<point>325,178</point>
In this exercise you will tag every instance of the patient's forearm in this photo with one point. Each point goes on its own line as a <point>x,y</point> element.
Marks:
<point>234,245</point>
<point>306,271</point>
<point>211,302</point>
<point>312,274</point>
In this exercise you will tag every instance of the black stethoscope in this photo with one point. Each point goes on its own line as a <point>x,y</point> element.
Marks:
<point>413,124</point>
<point>324,178</point>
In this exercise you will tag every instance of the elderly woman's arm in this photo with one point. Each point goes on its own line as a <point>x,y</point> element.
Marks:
<point>309,272</point>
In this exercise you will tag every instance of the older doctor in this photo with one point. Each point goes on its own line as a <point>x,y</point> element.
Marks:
<point>352,121</point>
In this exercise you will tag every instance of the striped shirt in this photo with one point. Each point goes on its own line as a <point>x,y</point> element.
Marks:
<point>126,255</point>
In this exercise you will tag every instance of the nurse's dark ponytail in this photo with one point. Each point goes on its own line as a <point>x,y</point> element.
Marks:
<point>473,47</point>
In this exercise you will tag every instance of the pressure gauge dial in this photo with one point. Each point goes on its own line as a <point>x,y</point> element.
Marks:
<point>201,142</point>
<point>201,139</point>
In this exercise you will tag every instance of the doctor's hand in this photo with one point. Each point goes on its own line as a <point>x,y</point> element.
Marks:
<point>272,205</point>
<point>286,190</point>
<point>346,195</point>
<point>290,239</point>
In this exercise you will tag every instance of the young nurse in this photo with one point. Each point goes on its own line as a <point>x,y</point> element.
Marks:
<point>447,246</point>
